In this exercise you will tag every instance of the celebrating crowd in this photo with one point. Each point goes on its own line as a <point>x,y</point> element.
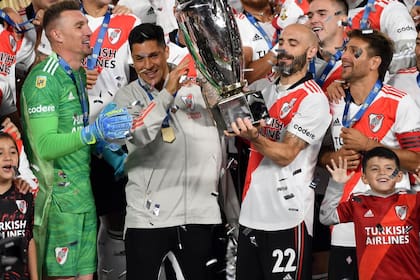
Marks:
<point>116,164</point>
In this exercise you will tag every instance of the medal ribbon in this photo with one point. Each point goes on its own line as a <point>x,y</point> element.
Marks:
<point>93,58</point>
<point>369,99</point>
<point>21,27</point>
<point>368,9</point>
<point>165,122</point>
<point>255,23</point>
<point>80,90</point>
<point>330,65</point>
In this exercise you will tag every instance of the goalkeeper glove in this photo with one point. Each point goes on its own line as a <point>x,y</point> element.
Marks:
<point>111,124</point>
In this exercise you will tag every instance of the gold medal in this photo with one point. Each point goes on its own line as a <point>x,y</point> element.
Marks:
<point>168,134</point>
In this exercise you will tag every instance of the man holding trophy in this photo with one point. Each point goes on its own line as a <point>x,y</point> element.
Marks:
<point>277,210</point>
<point>173,164</point>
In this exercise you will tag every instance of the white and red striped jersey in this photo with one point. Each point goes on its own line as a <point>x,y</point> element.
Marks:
<point>392,18</point>
<point>388,120</point>
<point>10,48</point>
<point>406,80</point>
<point>280,197</point>
<point>113,61</point>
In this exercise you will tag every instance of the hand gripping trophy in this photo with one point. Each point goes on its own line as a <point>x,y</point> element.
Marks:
<point>212,37</point>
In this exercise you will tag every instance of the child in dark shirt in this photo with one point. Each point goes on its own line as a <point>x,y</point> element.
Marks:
<point>16,213</point>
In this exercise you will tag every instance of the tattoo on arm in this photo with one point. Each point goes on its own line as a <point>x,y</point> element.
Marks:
<point>294,141</point>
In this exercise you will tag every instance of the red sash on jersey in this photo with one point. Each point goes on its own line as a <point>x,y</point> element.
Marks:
<point>116,35</point>
<point>292,101</point>
<point>8,49</point>
<point>373,255</point>
<point>375,124</point>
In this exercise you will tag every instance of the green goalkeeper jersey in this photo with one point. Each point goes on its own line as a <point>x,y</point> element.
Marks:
<point>53,118</point>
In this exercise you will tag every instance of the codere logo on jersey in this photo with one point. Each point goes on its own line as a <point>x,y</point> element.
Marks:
<point>41,109</point>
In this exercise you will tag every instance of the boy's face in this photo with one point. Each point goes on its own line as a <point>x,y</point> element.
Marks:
<point>381,175</point>
<point>8,158</point>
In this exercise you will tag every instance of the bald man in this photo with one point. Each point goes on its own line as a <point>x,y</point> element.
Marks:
<point>277,210</point>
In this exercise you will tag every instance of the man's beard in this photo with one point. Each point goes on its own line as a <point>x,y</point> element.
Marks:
<point>286,70</point>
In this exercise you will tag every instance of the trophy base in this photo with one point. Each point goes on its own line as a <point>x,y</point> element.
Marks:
<point>242,105</point>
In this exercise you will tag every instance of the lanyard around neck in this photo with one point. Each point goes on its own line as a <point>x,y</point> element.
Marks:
<point>93,58</point>
<point>330,65</point>
<point>165,122</point>
<point>368,9</point>
<point>80,87</point>
<point>369,99</point>
<point>255,23</point>
<point>19,27</point>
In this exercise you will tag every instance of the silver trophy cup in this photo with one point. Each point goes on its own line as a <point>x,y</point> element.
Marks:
<point>212,37</point>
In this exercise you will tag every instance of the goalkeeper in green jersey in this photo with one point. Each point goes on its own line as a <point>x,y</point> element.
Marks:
<point>55,118</point>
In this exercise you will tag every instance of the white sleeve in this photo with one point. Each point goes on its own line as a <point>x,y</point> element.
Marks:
<point>7,104</point>
<point>25,56</point>
<point>164,14</point>
<point>312,119</point>
<point>397,23</point>
<point>405,119</point>
<point>26,172</point>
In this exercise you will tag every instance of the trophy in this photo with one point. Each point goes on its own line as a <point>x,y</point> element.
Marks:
<point>212,37</point>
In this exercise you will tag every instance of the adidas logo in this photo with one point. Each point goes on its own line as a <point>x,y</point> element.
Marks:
<point>71,96</point>
<point>256,37</point>
<point>287,277</point>
<point>368,214</point>
<point>336,122</point>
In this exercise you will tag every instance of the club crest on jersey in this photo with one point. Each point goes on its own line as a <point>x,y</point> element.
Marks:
<point>114,35</point>
<point>287,107</point>
<point>41,81</point>
<point>22,205</point>
<point>401,211</point>
<point>375,122</point>
<point>61,254</point>
<point>283,13</point>
<point>188,101</point>
<point>13,43</point>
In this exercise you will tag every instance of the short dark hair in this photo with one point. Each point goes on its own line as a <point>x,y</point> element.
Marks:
<point>379,45</point>
<point>5,135</point>
<point>380,152</point>
<point>55,10</point>
<point>145,32</point>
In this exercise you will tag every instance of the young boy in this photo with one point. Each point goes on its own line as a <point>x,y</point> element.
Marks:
<point>16,212</point>
<point>386,219</point>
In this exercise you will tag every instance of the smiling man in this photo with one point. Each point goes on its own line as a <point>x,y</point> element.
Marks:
<point>173,164</point>
<point>55,116</point>
<point>328,18</point>
<point>276,217</point>
<point>361,123</point>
